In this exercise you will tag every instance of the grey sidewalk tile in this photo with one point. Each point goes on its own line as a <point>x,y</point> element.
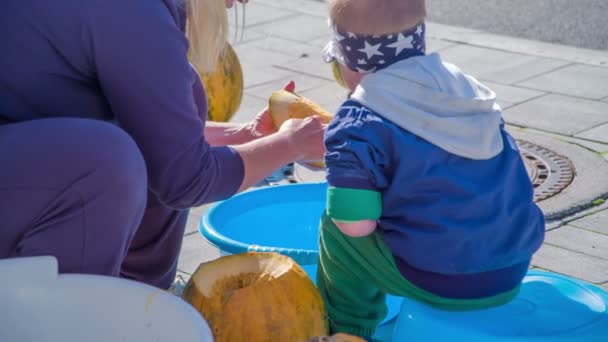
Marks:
<point>577,80</point>
<point>599,133</point>
<point>195,250</point>
<point>192,223</point>
<point>302,28</point>
<point>250,107</point>
<point>288,47</point>
<point>321,41</point>
<point>318,8</point>
<point>438,45</point>
<point>511,94</point>
<point>575,264</point>
<point>558,114</point>
<point>257,13</point>
<point>504,104</point>
<point>252,56</point>
<point>579,240</point>
<point>303,83</point>
<point>498,66</point>
<point>590,145</point>
<point>597,222</point>
<point>309,66</point>
<point>247,35</point>
<point>259,75</point>
<point>605,99</point>
<point>329,96</point>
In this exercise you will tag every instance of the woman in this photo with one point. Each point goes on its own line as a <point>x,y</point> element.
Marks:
<point>103,141</point>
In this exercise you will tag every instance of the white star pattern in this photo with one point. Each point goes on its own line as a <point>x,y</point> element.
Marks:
<point>419,30</point>
<point>381,61</point>
<point>361,61</point>
<point>348,48</point>
<point>351,35</point>
<point>364,71</point>
<point>402,43</point>
<point>371,50</point>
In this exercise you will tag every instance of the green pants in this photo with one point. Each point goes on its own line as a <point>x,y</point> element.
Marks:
<point>355,274</point>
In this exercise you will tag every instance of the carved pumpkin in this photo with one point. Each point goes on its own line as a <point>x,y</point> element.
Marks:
<point>257,297</point>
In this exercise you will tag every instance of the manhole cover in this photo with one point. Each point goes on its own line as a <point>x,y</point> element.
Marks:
<point>549,172</point>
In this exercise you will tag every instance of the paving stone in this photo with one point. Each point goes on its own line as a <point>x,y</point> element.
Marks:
<point>511,94</point>
<point>250,107</point>
<point>597,222</point>
<point>575,264</point>
<point>605,99</point>
<point>329,96</point>
<point>321,41</point>
<point>310,66</point>
<point>289,47</point>
<point>259,75</point>
<point>437,45</point>
<point>498,66</point>
<point>591,145</point>
<point>252,56</point>
<point>558,114</point>
<point>303,83</point>
<point>256,13</point>
<point>192,223</point>
<point>302,28</point>
<point>599,133</point>
<point>577,80</point>
<point>242,36</point>
<point>318,8</point>
<point>579,240</point>
<point>195,250</point>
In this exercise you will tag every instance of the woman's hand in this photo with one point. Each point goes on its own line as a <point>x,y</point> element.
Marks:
<point>305,137</point>
<point>262,124</point>
<point>230,3</point>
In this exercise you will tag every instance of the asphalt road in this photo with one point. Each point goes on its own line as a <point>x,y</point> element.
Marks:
<point>581,23</point>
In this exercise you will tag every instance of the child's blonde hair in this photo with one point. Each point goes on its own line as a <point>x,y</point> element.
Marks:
<point>207,31</point>
<point>371,17</point>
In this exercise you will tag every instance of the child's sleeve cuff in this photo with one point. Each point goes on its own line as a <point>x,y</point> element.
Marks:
<point>346,204</point>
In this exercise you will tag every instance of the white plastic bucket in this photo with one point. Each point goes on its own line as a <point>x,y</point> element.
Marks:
<point>38,305</point>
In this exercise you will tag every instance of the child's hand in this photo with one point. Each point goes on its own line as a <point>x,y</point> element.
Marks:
<point>262,124</point>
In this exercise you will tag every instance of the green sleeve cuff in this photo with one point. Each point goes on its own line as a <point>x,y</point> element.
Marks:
<point>345,204</point>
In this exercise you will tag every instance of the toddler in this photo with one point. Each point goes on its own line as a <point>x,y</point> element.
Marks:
<point>428,196</point>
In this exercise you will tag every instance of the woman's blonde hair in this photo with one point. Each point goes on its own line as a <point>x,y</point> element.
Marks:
<point>207,31</point>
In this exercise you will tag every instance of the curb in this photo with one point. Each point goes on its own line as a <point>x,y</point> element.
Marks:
<point>518,45</point>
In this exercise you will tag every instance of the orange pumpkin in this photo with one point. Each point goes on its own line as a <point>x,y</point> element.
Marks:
<point>257,297</point>
<point>337,338</point>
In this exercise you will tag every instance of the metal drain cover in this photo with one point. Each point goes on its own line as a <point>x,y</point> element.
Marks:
<point>549,172</point>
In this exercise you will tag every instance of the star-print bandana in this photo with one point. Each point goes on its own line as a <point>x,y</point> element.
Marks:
<point>369,53</point>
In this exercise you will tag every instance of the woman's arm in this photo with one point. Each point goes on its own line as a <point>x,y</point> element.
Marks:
<point>227,133</point>
<point>139,56</point>
<point>297,139</point>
